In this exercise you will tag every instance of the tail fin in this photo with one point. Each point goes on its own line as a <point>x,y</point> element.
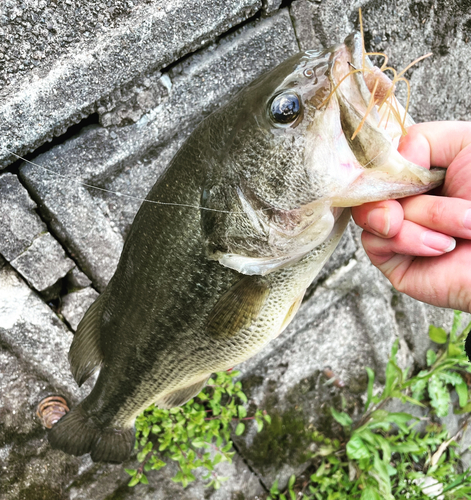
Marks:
<point>76,434</point>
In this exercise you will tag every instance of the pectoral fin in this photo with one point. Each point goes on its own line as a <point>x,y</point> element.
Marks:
<point>237,308</point>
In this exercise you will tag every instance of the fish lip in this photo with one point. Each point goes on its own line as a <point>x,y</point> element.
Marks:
<point>354,44</point>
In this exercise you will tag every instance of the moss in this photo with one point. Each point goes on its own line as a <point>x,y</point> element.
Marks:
<point>120,493</point>
<point>283,441</point>
<point>288,439</point>
<point>40,492</point>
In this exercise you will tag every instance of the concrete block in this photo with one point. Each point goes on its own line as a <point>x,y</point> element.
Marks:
<point>43,263</point>
<point>20,223</point>
<point>69,84</point>
<point>31,331</point>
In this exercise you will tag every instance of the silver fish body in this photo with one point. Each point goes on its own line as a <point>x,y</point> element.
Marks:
<point>240,224</point>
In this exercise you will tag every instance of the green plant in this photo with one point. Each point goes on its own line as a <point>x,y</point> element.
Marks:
<point>381,455</point>
<point>194,435</point>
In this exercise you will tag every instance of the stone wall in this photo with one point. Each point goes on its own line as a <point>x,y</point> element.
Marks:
<point>103,94</point>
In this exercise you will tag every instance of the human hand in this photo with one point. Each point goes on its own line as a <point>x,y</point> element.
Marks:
<point>422,244</point>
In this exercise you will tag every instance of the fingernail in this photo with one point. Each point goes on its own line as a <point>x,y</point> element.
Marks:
<point>379,220</point>
<point>467,219</point>
<point>438,241</point>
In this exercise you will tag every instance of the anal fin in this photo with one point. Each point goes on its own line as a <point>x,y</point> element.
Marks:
<point>85,354</point>
<point>291,313</point>
<point>181,396</point>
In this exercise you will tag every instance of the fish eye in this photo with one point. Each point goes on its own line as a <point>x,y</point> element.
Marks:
<point>285,108</point>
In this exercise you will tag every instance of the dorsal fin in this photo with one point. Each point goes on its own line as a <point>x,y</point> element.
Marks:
<point>237,308</point>
<point>85,354</point>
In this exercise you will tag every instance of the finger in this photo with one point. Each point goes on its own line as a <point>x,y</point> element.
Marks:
<point>383,218</point>
<point>450,216</point>
<point>412,239</point>
<point>435,143</point>
<point>443,281</point>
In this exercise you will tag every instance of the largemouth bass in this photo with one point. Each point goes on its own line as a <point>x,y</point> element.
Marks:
<point>217,262</point>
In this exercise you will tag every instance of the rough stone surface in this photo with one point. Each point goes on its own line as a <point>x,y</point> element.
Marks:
<point>75,305</point>
<point>43,263</point>
<point>77,280</point>
<point>20,223</point>
<point>151,37</point>
<point>270,6</point>
<point>404,30</point>
<point>33,332</point>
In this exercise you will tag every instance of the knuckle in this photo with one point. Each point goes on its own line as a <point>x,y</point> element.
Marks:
<point>437,211</point>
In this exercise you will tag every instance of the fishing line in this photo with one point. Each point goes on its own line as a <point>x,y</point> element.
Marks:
<point>117,193</point>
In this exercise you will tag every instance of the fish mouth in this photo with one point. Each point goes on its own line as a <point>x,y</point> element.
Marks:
<point>373,122</point>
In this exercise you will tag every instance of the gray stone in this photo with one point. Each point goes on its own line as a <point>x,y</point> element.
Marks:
<point>43,263</point>
<point>270,6</point>
<point>127,105</point>
<point>104,481</point>
<point>90,234</point>
<point>32,470</point>
<point>21,392</point>
<point>35,335</point>
<point>304,15</point>
<point>20,224</point>
<point>150,38</point>
<point>76,304</point>
<point>77,280</point>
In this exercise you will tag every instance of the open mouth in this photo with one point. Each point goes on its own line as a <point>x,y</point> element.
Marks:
<point>369,94</point>
<point>373,122</point>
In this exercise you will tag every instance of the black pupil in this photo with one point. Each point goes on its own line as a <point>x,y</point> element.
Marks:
<point>285,108</point>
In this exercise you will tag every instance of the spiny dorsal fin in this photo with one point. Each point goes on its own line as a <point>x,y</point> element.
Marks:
<point>181,396</point>
<point>237,308</point>
<point>85,354</point>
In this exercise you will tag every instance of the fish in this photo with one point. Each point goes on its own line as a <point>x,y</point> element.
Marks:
<point>220,255</point>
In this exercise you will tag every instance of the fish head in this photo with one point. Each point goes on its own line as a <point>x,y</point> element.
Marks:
<point>297,146</point>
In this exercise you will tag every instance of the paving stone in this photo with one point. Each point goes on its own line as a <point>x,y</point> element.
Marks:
<point>151,37</point>
<point>32,470</point>
<point>79,225</point>
<point>31,331</point>
<point>199,85</point>
<point>43,263</point>
<point>20,223</point>
<point>76,304</point>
